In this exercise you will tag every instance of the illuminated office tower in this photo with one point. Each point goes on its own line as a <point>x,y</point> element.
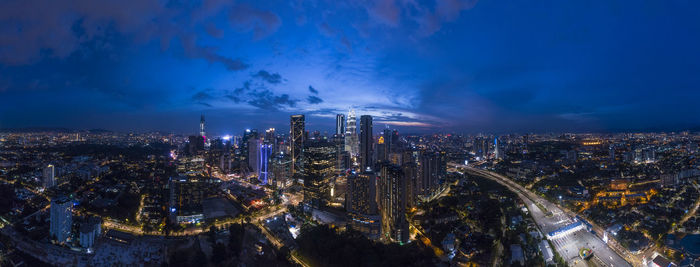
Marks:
<point>351,142</point>
<point>265,151</point>
<point>366,141</point>
<point>480,147</point>
<point>410,172</point>
<point>49,176</point>
<point>393,196</point>
<point>61,218</point>
<point>496,149</point>
<point>340,124</point>
<point>248,134</point>
<point>432,168</point>
<point>201,127</point>
<point>340,154</point>
<point>254,155</point>
<point>202,133</point>
<point>361,204</point>
<point>319,168</point>
<point>296,140</point>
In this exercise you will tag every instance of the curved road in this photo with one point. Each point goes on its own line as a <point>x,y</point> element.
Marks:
<point>550,217</point>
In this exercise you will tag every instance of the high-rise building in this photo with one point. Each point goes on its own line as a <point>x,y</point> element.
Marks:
<point>410,172</point>
<point>202,133</point>
<point>254,155</point>
<point>611,153</point>
<point>362,193</point>
<point>196,144</point>
<point>340,124</point>
<point>186,197</point>
<point>296,140</point>
<point>361,204</point>
<point>340,154</point>
<point>382,150</point>
<point>49,176</point>
<point>351,142</point>
<point>319,169</point>
<point>201,127</point>
<point>280,167</point>
<point>247,135</point>
<point>432,168</point>
<point>393,195</point>
<point>480,147</point>
<point>90,231</point>
<point>61,218</point>
<point>366,141</point>
<point>264,153</point>
<point>496,149</point>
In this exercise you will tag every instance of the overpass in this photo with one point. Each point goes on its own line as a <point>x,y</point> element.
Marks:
<point>552,219</point>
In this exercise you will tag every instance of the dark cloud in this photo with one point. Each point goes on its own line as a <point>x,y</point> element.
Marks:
<point>58,29</point>
<point>261,22</point>
<point>313,90</point>
<point>427,15</point>
<point>385,11</point>
<point>312,99</point>
<point>268,101</point>
<point>259,96</point>
<point>326,29</point>
<point>202,96</point>
<point>209,54</point>
<point>273,78</point>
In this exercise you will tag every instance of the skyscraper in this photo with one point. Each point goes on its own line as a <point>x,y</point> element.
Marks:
<point>496,149</point>
<point>264,153</point>
<point>49,176</point>
<point>296,136</point>
<point>201,127</point>
<point>319,169</point>
<point>361,204</point>
<point>366,141</point>
<point>202,133</point>
<point>351,135</point>
<point>340,124</point>
<point>61,218</point>
<point>254,155</point>
<point>431,170</point>
<point>393,203</point>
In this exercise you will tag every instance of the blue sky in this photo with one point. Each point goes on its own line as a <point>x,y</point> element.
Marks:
<point>421,66</point>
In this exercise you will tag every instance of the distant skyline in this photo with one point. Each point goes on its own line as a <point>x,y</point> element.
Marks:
<point>419,66</point>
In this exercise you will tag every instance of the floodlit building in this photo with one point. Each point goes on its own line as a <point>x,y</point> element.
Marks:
<point>61,218</point>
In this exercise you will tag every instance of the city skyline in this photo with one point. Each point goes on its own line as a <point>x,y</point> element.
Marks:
<point>462,66</point>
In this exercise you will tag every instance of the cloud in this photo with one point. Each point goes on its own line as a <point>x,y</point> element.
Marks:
<point>261,22</point>
<point>312,99</point>
<point>33,30</point>
<point>273,78</point>
<point>261,97</point>
<point>313,90</point>
<point>209,54</point>
<point>203,97</point>
<point>427,15</point>
<point>326,29</point>
<point>430,21</point>
<point>386,12</point>
<point>268,101</point>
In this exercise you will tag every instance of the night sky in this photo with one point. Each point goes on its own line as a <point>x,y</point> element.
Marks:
<point>466,66</point>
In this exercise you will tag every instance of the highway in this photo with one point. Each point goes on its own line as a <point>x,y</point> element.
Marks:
<point>549,217</point>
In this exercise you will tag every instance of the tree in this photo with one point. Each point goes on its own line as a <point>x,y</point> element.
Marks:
<point>218,253</point>
<point>7,198</point>
<point>212,234</point>
<point>235,240</point>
